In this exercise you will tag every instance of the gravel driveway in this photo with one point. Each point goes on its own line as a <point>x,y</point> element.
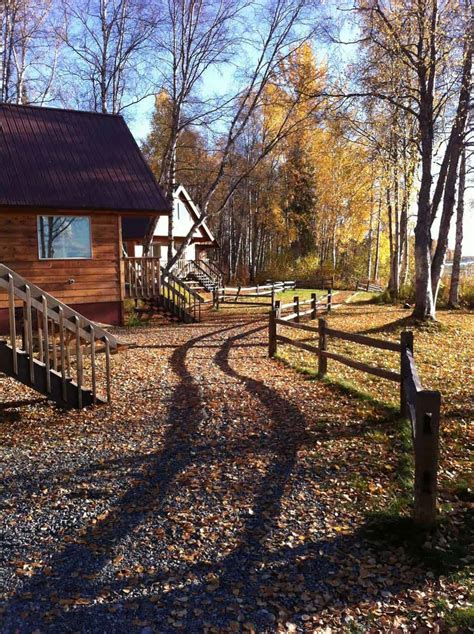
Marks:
<point>216,494</point>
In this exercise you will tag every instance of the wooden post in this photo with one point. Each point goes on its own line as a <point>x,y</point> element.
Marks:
<point>329,300</point>
<point>296,301</point>
<point>272,329</point>
<point>406,343</point>
<point>426,456</point>
<point>322,360</point>
<point>12,320</point>
<point>79,363</point>
<point>47,367</point>
<point>29,333</point>
<point>273,296</point>
<point>314,305</point>
<point>62,352</point>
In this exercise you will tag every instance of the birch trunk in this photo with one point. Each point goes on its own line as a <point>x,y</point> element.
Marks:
<point>456,271</point>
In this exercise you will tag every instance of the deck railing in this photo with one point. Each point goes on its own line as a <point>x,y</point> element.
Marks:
<point>186,299</point>
<point>142,277</point>
<point>54,337</point>
<point>147,279</point>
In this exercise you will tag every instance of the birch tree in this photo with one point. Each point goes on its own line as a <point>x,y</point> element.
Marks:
<point>196,36</point>
<point>276,37</point>
<point>425,39</point>
<point>29,51</point>
<point>105,67</point>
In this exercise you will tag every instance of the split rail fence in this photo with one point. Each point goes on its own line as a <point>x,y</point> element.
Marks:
<point>245,295</point>
<point>420,406</point>
<point>368,286</point>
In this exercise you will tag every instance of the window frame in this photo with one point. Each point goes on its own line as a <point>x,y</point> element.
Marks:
<point>89,219</point>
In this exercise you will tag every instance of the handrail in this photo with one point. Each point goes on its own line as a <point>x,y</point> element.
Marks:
<point>165,273</point>
<point>50,331</point>
<point>215,271</point>
<point>52,302</point>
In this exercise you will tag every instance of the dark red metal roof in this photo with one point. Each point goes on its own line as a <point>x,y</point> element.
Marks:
<point>69,159</point>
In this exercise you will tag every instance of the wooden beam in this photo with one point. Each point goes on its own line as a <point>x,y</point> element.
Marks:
<point>364,367</point>
<point>297,344</point>
<point>364,340</point>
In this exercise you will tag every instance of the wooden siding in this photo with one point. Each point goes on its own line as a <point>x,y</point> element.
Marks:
<point>97,280</point>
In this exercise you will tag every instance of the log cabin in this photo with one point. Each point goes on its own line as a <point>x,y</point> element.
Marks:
<point>67,178</point>
<point>197,267</point>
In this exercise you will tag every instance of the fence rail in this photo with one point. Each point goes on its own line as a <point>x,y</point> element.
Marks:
<point>368,286</point>
<point>241,294</point>
<point>421,407</point>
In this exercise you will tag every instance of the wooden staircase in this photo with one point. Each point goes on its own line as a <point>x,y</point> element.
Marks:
<point>161,291</point>
<point>201,274</point>
<point>52,348</point>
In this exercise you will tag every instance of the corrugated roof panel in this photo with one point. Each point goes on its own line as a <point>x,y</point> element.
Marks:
<point>73,160</point>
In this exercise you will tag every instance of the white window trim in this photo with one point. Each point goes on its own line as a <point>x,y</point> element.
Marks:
<point>63,216</point>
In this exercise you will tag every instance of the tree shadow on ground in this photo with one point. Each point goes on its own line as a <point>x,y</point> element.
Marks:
<point>153,478</point>
<point>255,581</point>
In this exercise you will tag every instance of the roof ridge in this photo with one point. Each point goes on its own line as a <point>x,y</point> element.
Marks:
<point>57,109</point>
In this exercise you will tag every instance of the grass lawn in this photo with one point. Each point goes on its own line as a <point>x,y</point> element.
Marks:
<point>444,357</point>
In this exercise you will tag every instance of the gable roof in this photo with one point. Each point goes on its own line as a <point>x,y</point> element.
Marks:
<point>135,228</point>
<point>183,194</point>
<point>68,159</point>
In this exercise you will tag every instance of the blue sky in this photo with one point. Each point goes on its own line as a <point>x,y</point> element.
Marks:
<point>219,83</point>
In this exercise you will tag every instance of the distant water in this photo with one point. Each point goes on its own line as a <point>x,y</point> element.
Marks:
<point>467,261</point>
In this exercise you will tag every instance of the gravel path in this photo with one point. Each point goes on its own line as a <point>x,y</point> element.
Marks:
<point>216,494</point>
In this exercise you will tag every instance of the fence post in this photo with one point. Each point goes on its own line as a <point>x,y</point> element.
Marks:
<point>272,329</point>
<point>406,343</point>
<point>322,346</point>
<point>314,303</point>
<point>426,456</point>
<point>273,296</point>
<point>329,300</point>
<point>296,302</point>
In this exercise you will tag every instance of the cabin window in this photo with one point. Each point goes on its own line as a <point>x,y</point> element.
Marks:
<point>64,237</point>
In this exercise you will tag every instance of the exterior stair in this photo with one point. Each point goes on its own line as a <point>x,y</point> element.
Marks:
<point>204,274</point>
<point>52,348</point>
<point>70,397</point>
<point>160,290</point>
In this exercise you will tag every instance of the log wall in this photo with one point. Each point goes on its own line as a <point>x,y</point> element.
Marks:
<point>96,281</point>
